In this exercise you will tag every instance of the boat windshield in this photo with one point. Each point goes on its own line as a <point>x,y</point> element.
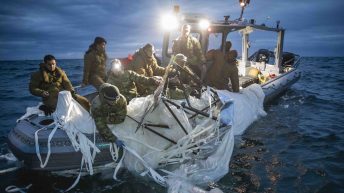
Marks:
<point>215,41</point>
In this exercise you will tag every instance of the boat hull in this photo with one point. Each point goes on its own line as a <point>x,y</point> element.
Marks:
<point>21,138</point>
<point>275,87</point>
<point>21,141</point>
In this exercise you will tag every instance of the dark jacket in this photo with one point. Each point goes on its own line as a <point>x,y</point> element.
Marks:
<point>191,48</point>
<point>52,82</point>
<point>145,66</point>
<point>128,81</point>
<point>94,67</point>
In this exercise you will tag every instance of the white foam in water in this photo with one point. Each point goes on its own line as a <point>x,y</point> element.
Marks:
<point>9,157</point>
<point>11,164</point>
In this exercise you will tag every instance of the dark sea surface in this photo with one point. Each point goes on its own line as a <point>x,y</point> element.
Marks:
<point>297,147</point>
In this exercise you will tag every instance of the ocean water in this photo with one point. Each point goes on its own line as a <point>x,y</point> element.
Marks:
<point>297,147</point>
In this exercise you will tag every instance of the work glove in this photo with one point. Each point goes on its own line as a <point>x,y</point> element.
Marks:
<point>73,94</point>
<point>47,110</point>
<point>196,93</point>
<point>173,73</point>
<point>156,80</point>
<point>45,94</point>
<point>119,143</point>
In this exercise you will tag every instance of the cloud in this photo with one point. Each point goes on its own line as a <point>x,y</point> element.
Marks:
<point>31,28</point>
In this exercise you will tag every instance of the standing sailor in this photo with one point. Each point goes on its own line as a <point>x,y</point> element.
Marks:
<point>189,46</point>
<point>95,63</point>
<point>223,69</point>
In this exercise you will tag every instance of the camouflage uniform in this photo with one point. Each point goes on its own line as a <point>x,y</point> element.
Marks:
<point>106,111</point>
<point>94,67</point>
<point>191,48</point>
<point>214,76</point>
<point>187,84</point>
<point>145,66</point>
<point>127,82</point>
<point>223,68</point>
<point>231,69</point>
<point>53,83</point>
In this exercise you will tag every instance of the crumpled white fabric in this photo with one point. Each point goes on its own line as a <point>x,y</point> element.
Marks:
<point>31,111</point>
<point>239,111</point>
<point>248,106</point>
<point>149,150</point>
<point>76,121</point>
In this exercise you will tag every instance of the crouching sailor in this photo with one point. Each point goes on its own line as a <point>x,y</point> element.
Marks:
<point>109,107</point>
<point>126,80</point>
<point>182,81</point>
<point>48,82</point>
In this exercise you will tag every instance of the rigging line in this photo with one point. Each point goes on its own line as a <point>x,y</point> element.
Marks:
<point>174,116</point>
<point>147,126</point>
<point>160,135</point>
<point>205,108</point>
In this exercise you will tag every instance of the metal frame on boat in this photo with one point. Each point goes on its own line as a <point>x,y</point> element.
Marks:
<point>280,74</point>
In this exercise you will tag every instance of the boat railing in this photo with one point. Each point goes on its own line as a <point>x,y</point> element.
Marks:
<point>297,61</point>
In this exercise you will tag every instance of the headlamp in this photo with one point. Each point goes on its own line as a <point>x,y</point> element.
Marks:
<point>116,65</point>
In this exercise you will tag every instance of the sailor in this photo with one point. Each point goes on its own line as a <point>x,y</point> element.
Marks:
<point>223,69</point>
<point>126,80</point>
<point>95,63</point>
<point>182,81</point>
<point>109,107</point>
<point>145,63</point>
<point>231,69</point>
<point>214,76</point>
<point>228,46</point>
<point>48,81</point>
<point>189,46</point>
<point>218,60</point>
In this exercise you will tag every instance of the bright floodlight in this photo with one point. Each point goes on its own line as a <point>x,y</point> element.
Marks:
<point>169,22</point>
<point>242,4</point>
<point>204,24</point>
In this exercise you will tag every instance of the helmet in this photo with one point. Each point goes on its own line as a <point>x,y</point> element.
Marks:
<point>180,58</point>
<point>108,93</point>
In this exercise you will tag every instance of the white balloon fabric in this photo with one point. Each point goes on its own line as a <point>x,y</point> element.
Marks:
<point>188,152</point>
<point>248,106</point>
<point>76,121</point>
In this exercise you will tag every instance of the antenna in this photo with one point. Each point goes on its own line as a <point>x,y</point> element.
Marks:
<point>243,4</point>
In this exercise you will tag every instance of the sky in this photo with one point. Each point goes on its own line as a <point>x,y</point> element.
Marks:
<point>30,29</point>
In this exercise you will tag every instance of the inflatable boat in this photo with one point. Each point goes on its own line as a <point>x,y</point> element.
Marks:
<point>166,132</point>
